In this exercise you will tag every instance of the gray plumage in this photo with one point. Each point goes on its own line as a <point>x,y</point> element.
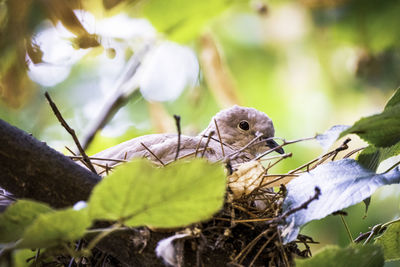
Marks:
<point>229,122</point>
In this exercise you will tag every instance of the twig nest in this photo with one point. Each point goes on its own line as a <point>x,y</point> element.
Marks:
<point>246,178</point>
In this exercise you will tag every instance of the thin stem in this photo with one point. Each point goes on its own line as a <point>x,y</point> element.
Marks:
<point>219,137</point>
<point>70,131</point>
<point>154,155</point>
<point>347,228</point>
<point>178,127</point>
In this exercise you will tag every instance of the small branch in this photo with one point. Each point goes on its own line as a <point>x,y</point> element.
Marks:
<point>294,210</point>
<point>95,158</point>
<point>208,141</point>
<point>219,137</point>
<point>392,167</point>
<point>154,155</point>
<point>70,131</point>
<point>178,127</point>
<point>347,228</point>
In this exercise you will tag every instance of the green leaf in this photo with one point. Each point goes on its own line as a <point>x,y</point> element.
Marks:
<point>372,156</point>
<point>52,228</point>
<point>394,100</point>
<point>380,130</point>
<point>180,19</point>
<point>390,242</point>
<point>138,193</point>
<point>342,183</point>
<point>21,256</point>
<point>17,217</point>
<point>368,255</point>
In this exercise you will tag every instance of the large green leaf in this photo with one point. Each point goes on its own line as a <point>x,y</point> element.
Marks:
<point>182,20</point>
<point>366,256</point>
<point>342,183</point>
<point>390,242</point>
<point>380,130</point>
<point>372,156</point>
<point>17,217</point>
<point>138,193</point>
<point>52,228</point>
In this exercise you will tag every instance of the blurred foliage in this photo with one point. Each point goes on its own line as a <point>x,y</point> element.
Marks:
<point>308,64</point>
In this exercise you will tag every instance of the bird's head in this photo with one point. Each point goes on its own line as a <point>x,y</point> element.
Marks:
<point>238,126</point>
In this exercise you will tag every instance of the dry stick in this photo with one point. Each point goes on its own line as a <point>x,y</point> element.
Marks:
<point>354,151</point>
<point>178,126</point>
<point>247,249</point>
<point>280,146</point>
<point>301,207</point>
<point>233,155</point>
<point>70,131</point>
<point>283,251</point>
<point>154,155</point>
<point>347,228</point>
<point>219,137</point>
<point>96,158</point>
<point>320,159</point>
<point>208,141</point>
<point>392,167</point>
<point>261,249</point>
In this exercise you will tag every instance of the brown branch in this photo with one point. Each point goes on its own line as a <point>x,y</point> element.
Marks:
<point>178,127</point>
<point>207,142</point>
<point>154,155</point>
<point>71,132</point>
<point>31,169</point>
<point>219,137</point>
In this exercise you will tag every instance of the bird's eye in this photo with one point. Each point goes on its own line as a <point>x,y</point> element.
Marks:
<point>244,125</point>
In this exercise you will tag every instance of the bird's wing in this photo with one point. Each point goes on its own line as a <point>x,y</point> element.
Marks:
<point>158,148</point>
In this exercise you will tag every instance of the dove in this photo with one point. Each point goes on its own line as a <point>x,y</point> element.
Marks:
<point>237,134</point>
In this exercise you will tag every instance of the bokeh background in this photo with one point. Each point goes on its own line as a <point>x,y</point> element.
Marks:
<point>308,64</point>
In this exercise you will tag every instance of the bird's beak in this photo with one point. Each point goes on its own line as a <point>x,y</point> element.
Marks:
<point>272,144</point>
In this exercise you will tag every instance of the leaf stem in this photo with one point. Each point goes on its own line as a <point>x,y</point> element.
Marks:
<point>347,228</point>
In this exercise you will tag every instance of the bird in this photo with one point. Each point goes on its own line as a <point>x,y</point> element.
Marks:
<point>235,135</point>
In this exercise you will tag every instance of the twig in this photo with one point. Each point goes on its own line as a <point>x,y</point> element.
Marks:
<point>347,228</point>
<point>154,155</point>
<point>178,127</point>
<point>96,158</point>
<point>301,207</point>
<point>392,167</point>
<point>219,137</point>
<point>233,155</point>
<point>70,131</point>
<point>280,146</point>
<point>261,249</point>
<point>208,141</point>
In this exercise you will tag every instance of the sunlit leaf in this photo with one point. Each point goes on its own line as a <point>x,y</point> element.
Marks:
<point>342,183</point>
<point>381,130</point>
<point>52,228</point>
<point>333,256</point>
<point>372,156</point>
<point>182,20</point>
<point>17,217</point>
<point>138,193</point>
<point>21,257</point>
<point>390,242</point>
<point>329,137</point>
